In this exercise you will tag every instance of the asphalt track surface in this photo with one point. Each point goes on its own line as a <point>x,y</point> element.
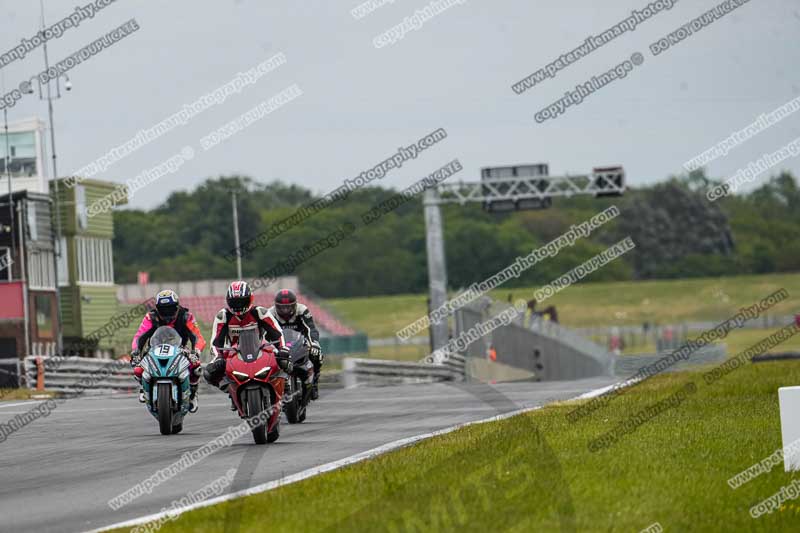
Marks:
<point>59,472</point>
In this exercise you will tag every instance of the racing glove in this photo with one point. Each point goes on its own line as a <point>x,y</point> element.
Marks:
<point>315,351</point>
<point>284,361</point>
<point>193,356</point>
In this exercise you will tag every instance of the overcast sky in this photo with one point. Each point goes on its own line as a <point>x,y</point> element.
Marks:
<point>360,103</point>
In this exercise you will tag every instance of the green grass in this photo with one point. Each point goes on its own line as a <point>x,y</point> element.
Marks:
<point>597,304</point>
<point>380,316</point>
<point>21,394</point>
<point>535,473</point>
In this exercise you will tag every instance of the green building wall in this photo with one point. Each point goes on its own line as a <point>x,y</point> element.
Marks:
<point>85,308</point>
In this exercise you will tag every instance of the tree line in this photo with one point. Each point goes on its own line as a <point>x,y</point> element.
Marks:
<point>677,231</point>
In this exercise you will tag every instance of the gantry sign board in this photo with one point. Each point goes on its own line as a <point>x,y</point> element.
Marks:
<point>530,187</point>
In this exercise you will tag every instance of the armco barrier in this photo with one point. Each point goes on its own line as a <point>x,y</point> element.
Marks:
<point>376,372</point>
<point>68,374</point>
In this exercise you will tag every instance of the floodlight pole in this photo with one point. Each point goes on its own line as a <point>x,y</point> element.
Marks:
<point>57,248</point>
<point>12,222</point>
<point>236,235</point>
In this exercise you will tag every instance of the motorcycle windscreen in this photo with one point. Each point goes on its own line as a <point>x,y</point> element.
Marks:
<point>249,345</point>
<point>165,335</point>
<point>292,337</point>
<point>296,343</point>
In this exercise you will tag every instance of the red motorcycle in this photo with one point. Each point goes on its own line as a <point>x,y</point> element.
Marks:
<point>256,383</point>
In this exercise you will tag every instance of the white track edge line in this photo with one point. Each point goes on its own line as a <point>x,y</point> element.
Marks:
<point>328,467</point>
<point>26,402</point>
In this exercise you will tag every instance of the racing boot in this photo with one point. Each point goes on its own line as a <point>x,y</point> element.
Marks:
<point>194,404</point>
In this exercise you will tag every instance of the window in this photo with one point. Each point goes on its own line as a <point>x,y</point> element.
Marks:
<point>80,208</point>
<point>94,258</point>
<point>5,264</point>
<point>44,316</point>
<point>21,157</point>
<point>33,227</point>
<point>63,264</point>
<point>41,267</point>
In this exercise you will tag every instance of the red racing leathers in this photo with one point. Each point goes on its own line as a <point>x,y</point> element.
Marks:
<point>225,332</point>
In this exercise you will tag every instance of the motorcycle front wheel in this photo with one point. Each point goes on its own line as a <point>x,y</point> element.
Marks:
<point>164,406</point>
<point>254,400</point>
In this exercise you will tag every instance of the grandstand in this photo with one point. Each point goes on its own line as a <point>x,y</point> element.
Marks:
<point>205,307</point>
<point>205,298</point>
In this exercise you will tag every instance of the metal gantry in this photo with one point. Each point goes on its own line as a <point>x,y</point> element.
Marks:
<point>533,189</point>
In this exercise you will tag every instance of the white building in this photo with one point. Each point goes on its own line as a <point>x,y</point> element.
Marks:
<point>24,153</point>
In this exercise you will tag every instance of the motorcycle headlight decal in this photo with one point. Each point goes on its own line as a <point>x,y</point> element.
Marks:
<point>241,376</point>
<point>261,374</point>
<point>149,366</point>
<point>179,365</point>
<point>174,368</point>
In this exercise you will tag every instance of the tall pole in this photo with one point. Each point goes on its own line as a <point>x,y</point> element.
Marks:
<point>10,195</point>
<point>437,269</point>
<point>236,236</point>
<point>56,200</point>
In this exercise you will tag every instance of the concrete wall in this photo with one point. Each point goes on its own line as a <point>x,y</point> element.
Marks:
<point>547,350</point>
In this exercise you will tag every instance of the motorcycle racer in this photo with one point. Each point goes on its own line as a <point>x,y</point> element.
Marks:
<point>241,315</point>
<point>293,315</point>
<point>169,312</point>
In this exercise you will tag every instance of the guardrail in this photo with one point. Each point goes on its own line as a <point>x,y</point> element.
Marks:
<point>78,374</point>
<point>377,372</point>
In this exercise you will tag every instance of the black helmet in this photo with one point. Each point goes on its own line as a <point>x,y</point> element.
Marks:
<point>167,305</point>
<point>286,304</point>
<point>239,298</point>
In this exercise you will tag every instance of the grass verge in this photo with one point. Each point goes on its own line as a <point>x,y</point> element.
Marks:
<point>597,304</point>
<point>502,476</point>
<point>22,393</point>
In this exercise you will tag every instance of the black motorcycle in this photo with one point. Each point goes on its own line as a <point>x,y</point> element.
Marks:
<point>297,393</point>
